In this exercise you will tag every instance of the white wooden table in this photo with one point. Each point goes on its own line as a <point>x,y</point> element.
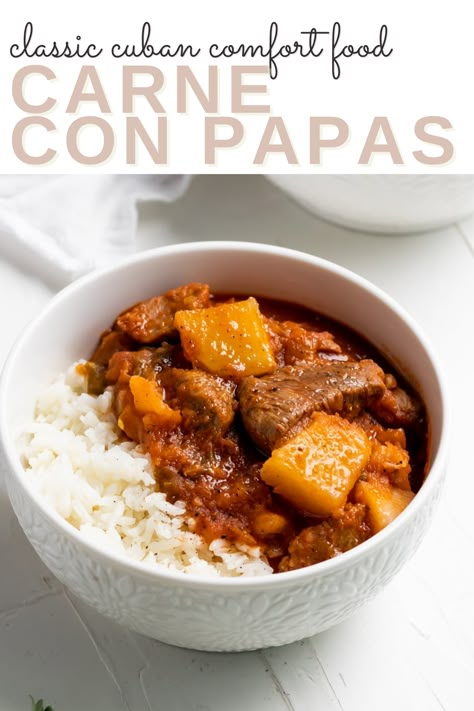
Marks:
<point>412,649</point>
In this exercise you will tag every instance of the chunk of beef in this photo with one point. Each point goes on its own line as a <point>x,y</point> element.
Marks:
<point>296,345</point>
<point>95,369</point>
<point>147,362</point>
<point>110,342</point>
<point>271,406</point>
<point>339,533</point>
<point>206,402</point>
<point>152,320</point>
<point>397,408</point>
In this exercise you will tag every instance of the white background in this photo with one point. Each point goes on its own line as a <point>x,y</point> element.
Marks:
<point>427,74</point>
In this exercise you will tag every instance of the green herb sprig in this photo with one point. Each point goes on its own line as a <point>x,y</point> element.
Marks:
<point>39,705</point>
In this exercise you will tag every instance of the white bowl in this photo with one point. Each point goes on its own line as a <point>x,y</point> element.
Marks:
<point>218,614</point>
<point>383,203</point>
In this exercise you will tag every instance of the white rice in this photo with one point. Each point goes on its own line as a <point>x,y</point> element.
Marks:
<point>104,487</point>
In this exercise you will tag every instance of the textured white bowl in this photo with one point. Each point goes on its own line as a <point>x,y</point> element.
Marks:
<point>224,614</point>
<point>383,203</point>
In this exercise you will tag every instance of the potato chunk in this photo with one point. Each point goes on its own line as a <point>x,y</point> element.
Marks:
<point>228,339</point>
<point>149,403</point>
<point>385,502</point>
<point>316,469</point>
<point>391,460</point>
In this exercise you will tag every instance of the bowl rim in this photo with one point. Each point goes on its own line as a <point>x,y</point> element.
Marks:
<point>189,580</point>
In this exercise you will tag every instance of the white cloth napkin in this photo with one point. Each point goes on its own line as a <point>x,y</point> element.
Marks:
<point>60,227</point>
